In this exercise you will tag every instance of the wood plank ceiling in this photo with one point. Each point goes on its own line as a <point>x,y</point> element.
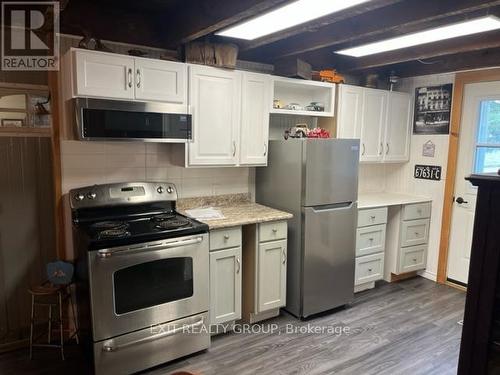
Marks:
<point>171,23</point>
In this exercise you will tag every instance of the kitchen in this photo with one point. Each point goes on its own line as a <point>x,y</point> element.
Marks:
<point>254,194</point>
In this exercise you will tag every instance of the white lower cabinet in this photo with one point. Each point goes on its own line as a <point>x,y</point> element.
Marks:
<point>407,239</point>
<point>370,247</point>
<point>264,272</point>
<point>225,285</point>
<point>225,276</point>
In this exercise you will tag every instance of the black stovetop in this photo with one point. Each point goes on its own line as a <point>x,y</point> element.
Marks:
<point>112,231</point>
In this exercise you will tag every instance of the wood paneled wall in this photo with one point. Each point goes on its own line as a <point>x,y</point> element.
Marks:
<point>26,228</point>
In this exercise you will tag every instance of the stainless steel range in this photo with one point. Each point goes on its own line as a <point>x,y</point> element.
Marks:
<point>142,275</point>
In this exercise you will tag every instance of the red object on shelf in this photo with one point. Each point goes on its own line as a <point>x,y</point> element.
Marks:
<point>318,133</point>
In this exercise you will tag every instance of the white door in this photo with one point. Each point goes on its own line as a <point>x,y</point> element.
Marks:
<point>271,293</point>
<point>256,94</point>
<point>349,111</point>
<point>373,117</point>
<point>104,75</point>
<point>225,285</point>
<point>479,152</point>
<point>162,81</point>
<point>215,98</point>
<point>397,130</point>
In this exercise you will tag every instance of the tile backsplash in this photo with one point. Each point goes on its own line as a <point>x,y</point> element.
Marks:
<point>88,163</point>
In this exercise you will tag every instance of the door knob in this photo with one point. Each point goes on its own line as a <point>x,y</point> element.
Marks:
<point>460,200</point>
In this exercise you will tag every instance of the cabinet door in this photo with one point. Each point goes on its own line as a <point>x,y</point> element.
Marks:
<point>372,124</point>
<point>256,94</point>
<point>225,285</point>
<point>159,80</point>
<point>349,111</point>
<point>214,96</point>
<point>103,75</point>
<point>397,131</point>
<point>271,275</point>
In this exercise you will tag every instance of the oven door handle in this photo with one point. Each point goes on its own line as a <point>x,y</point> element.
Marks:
<point>113,348</point>
<point>106,253</point>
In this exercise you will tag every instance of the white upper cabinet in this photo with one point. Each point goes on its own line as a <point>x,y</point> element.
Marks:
<point>398,127</point>
<point>113,76</point>
<point>215,99</point>
<point>349,111</point>
<point>256,93</point>
<point>380,119</point>
<point>373,118</point>
<point>160,80</point>
<point>103,75</point>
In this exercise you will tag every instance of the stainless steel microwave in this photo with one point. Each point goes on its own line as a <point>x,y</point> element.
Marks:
<point>104,120</point>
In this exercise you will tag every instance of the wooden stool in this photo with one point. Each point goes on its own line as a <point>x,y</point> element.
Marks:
<point>44,295</point>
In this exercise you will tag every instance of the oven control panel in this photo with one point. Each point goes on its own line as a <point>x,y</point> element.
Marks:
<point>122,193</point>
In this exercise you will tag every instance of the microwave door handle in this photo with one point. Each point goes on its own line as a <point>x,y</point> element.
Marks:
<point>106,253</point>
<point>113,348</point>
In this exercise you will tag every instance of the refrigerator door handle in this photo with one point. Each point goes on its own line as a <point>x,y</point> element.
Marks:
<point>331,207</point>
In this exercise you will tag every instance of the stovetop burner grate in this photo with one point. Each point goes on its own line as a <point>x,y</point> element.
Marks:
<point>114,233</point>
<point>109,225</point>
<point>172,223</point>
<point>162,217</point>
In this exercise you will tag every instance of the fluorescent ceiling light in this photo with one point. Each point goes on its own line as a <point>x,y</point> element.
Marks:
<point>293,14</point>
<point>478,25</point>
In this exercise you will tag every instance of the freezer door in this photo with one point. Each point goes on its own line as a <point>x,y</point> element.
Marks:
<point>331,171</point>
<point>329,252</point>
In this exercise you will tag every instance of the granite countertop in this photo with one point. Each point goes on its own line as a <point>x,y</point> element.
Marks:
<point>372,200</point>
<point>236,208</point>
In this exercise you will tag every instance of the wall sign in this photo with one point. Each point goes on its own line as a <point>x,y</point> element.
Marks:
<point>427,172</point>
<point>429,149</point>
<point>432,109</point>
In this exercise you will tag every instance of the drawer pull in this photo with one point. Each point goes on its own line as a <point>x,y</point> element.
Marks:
<point>369,270</point>
<point>275,230</point>
<point>372,217</point>
<point>226,237</point>
<point>370,239</point>
<point>417,233</point>
<point>415,260</point>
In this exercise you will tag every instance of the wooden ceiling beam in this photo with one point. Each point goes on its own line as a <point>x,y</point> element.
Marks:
<point>478,42</point>
<point>451,63</point>
<point>197,18</point>
<point>400,18</point>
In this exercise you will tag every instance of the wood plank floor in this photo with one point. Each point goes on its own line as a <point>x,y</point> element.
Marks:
<point>401,328</point>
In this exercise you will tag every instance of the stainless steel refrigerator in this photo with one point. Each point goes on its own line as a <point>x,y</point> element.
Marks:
<point>317,181</point>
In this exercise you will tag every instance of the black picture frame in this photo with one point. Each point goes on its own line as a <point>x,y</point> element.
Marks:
<point>432,109</point>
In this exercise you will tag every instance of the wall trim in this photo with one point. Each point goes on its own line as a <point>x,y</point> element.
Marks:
<point>461,79</point>
<point>428,275</point>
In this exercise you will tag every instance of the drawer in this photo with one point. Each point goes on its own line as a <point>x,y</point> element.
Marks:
<point>369,268</point>
<point>414,232</point>
<point>225,238</point>
<point>370,240</point>
<point>275,230</point>
<point>412,258</point>
<point>372,216</point>
<point>417,211</point>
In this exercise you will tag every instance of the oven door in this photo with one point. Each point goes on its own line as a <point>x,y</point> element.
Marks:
<point>137,286</point>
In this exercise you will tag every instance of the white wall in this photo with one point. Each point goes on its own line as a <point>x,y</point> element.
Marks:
<point>399,177</point>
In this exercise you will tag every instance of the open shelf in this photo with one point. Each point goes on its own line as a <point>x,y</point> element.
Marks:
<point>25,132</point>
<point>303,92</point>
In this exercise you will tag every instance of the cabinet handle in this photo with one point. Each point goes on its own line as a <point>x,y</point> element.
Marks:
<point>370,239</point>
<point>387,148</point>
<point>234,149</point>
<point>226,237</point>
<point>415,260</point>
<point>372,217</point>
<point>138,78</point>
<point>238,263</point>
<point>130,77</point>
<point>369,270</point>
<point>417,233</point>
<point>284,256</point>
<point>381,151</point>
<point>274,230</point>
<point>364,149</point>
<point>265,149</point>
